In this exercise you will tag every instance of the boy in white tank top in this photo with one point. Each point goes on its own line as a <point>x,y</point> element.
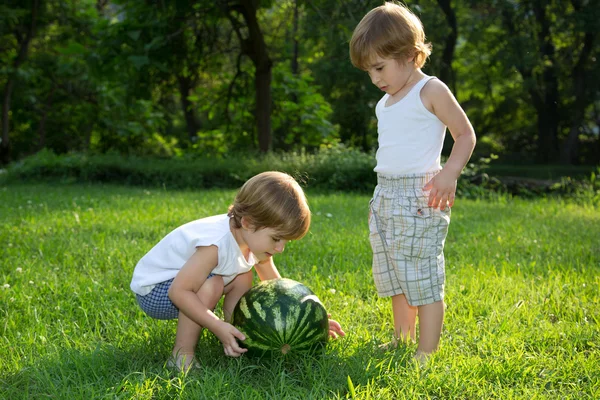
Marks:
<point>410,209</point>
<point>185,274</point>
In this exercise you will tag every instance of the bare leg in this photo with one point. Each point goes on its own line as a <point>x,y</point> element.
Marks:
<point>188,331</point>
<point>431,319</point>
<point>405,317</point>
<point>234,291</point>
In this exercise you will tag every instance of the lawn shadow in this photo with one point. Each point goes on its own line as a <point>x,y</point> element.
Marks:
<point>73,373</point>
<point>329,373</point>
<point>125,372</point>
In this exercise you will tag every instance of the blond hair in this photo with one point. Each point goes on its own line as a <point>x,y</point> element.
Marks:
<point>389,31</point>
<point>272,200</point>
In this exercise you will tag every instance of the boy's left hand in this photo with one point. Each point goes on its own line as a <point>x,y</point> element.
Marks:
<point>335,329</point>
<point>442,189</point>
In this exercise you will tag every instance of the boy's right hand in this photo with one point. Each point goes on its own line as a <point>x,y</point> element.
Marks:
<point>227,334</point>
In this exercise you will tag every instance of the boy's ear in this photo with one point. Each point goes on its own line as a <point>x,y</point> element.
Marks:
<point>246,224</point>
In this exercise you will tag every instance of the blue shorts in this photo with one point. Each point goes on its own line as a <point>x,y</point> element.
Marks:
<point>157,303</point>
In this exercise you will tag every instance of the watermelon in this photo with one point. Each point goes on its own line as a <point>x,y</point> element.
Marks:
<point>281,317</point>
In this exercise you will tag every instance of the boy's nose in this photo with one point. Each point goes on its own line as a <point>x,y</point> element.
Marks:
<point>279,247</point>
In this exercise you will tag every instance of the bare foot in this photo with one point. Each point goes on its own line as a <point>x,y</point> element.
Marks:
<point>389,346</point>
<point>421,358</point>
<point>182,362</point>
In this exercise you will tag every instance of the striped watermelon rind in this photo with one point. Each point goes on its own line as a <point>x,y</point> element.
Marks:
<point>281,317</point>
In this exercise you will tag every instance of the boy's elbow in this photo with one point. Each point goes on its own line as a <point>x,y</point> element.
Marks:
<point>469,137</point>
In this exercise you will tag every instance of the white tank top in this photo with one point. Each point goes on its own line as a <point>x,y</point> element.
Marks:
<point>410,136</point>
<point>168,256</point>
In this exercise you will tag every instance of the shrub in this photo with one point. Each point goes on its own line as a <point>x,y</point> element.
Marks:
<point>335,168</point>
<point>330,168</point>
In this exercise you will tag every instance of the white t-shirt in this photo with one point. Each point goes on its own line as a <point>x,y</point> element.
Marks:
<point>165,259</point>
<point>410,137</point>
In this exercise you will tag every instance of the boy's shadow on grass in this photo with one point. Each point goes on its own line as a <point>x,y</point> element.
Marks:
<point>121,371</point>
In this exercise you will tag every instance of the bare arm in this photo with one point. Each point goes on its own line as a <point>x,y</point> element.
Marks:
<point>189,280</point>
<point>183,294</point>
<point>438,99</point>
<point>267,270</point>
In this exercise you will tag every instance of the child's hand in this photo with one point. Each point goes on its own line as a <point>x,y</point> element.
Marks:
<point>442,190</point>
<point>227,334</point>
<point>335,329</point>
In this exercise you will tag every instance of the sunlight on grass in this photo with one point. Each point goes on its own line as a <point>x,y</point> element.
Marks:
<point>521,321</point>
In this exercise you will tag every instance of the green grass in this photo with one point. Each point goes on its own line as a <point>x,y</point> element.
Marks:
<point>522,300</point>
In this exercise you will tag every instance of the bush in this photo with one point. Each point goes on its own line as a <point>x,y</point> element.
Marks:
<point>330,168</point>
<point>335,168</point>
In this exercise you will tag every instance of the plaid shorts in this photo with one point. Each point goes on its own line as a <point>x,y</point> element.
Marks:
<point>407,237</point>
<point>157,303</point>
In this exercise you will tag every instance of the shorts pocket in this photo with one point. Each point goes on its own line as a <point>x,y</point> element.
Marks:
<point>413,222</point>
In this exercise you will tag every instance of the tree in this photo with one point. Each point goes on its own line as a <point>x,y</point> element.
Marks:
<point>22,23</point>
<point>254,46</point>
<point>447,71</point>
<point>584,83</point>
<point>552,77</point>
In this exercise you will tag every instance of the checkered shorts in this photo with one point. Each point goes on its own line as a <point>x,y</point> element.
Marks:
<point>157,303</point>
<point>407,237</point>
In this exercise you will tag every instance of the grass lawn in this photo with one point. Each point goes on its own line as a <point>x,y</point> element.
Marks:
<point>522,298</point>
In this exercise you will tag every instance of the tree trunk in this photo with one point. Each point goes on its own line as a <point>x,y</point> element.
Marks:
<point>447,73</point>
<point>548,117</point>
<point>193,126</point>
<point>547,126</point>
<point>295,41</point>
<point>42,127</point>
<point>597,120</point>
<point>569,152</point>
<point>570,149</point>
<point>544,94</point>
<point>597,155</point>
<point>292,120</point>
<point>5,155</point>
<point>263,107</point>
<point>256,48</point>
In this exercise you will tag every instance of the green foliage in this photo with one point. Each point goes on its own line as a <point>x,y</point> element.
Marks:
<point>169,78</point>
<point>328,26</point>
<point>301,116</point>
<point>476,183</point>
<point>584,191</point>
<point>50,103</point>
<point>331,168</point>
<point>335,168</point>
